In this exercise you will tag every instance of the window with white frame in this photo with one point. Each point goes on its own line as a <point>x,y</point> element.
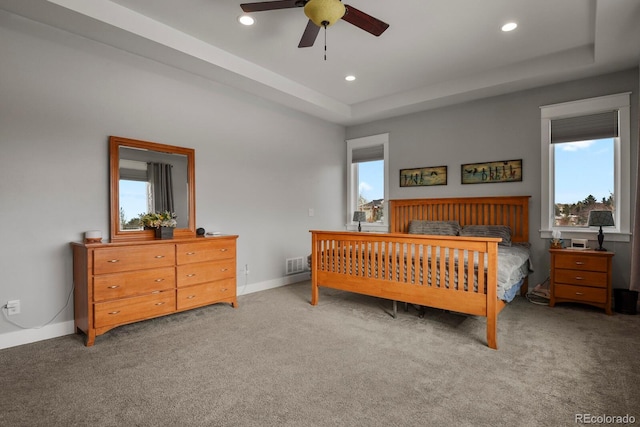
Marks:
<point>585,165</point>
<point>368,181</point>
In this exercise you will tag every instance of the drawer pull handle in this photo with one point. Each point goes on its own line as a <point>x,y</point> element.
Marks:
<point>159,280</point>
<point>155,292</point>
<point>224,289</point>
<point>191,253</point>
<point>579,278</point>
<point>223,250</point>
<point>579,263</point>
<point>223,269</point>
<point>191,275</point>
<point>191,297</point>
<point>114,312</point>
<point>113,287</point>
<point>579,293</point>
<point>159,256</point>
<point>160,303</point>
<point>113,260</point>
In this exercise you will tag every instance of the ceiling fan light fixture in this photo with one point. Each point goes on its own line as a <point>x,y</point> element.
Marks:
<point>324,13</point>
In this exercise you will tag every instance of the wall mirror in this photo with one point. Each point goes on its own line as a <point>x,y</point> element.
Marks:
<point>150,177</point>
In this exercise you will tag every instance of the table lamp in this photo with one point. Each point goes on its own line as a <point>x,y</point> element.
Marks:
<point>359,216</point>
<point>601,219</point>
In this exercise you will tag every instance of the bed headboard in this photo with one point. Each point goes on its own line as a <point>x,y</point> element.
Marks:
<point>500,210</point>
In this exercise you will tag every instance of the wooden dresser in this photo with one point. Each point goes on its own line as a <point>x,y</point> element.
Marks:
<point>582,276</point>
<point>120,283</point>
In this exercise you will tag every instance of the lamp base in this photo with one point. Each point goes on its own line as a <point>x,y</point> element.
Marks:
<point>600,240</point>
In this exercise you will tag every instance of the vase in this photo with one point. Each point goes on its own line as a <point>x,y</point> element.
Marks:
<point>164,233</point>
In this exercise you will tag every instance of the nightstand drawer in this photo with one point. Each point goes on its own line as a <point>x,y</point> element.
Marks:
<point>581,277</point>
<point>581,262</point>
<point>581,293</point>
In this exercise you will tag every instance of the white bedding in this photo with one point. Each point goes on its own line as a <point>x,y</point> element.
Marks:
<point>514,264</point>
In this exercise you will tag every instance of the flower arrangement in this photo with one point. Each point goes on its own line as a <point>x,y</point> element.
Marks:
<point>157,220</point>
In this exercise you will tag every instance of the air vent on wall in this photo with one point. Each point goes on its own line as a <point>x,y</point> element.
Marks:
<point>294,265</point>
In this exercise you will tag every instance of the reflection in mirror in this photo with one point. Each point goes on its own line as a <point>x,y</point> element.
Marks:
<point>151,181</point>
<point>148,177</point>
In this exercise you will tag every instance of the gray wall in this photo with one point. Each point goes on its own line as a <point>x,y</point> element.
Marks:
<point>498,128</point>
<point>259,167</point>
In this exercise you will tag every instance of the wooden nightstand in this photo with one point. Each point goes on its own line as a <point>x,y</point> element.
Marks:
<point>582,276</point>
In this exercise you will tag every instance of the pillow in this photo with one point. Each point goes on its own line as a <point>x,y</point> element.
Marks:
<point>502,231</point>
<point>438,228</point>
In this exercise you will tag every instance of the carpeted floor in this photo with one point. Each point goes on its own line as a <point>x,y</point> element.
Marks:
<point>278,361</point>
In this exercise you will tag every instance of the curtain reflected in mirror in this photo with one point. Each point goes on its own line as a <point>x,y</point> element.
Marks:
<point>161,182</point>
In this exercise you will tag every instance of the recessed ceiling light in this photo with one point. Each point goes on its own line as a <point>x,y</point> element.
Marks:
<point>246,20</point>
<point>509,26</point>
<point>350,78</point>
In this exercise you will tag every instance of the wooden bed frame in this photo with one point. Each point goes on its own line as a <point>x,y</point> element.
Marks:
<point>373,263</point>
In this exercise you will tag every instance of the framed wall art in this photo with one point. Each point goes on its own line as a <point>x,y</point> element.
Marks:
<point>423,176</point>
<point>487,172</point>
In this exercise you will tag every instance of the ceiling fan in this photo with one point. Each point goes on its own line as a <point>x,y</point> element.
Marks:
<point>322,13</point>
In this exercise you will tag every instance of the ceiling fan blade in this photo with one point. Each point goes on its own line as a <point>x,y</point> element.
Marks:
<point>271,5</point>
<point>310,34</point>
<point>366,22</point>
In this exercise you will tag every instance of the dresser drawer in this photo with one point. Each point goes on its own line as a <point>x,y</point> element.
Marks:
<point>206,293</point>
<point>114,260</point>
<point>582,278</point>
<point>118,285</point>
<point>192,274</point>
<point>581,262</point>
<point>209,250</point>
<point>134,308</point>
<point>581,293</point>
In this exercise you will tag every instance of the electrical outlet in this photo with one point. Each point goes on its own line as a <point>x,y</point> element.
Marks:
<point>13,307</point>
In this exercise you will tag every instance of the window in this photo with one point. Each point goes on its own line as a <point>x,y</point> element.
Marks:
<point>134,193</point>
<point>585,165</point>
<point>368,181</point>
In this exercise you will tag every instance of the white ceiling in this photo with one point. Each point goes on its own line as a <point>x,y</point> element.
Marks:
<point>435,52</point>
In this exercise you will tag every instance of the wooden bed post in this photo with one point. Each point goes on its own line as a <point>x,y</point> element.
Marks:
<point>492,295</point>
<point>314,269</point>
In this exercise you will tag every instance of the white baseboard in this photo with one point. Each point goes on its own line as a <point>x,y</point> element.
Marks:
<point>271,284</point>
<point>28,336</point>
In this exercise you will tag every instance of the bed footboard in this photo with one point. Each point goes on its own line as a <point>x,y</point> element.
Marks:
<point>453,273</point>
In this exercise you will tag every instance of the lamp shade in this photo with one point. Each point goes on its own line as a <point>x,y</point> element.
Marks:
<point>324,12</point>
<point>359,216</point>
<point>601,218</point>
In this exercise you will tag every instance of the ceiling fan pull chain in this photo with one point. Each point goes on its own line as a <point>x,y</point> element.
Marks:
<point>325,40</point>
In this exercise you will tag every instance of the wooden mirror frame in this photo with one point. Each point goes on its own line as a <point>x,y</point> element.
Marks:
<point>117,235</point>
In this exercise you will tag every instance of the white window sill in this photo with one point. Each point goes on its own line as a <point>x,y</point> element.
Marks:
<point>369,227</point>
<point>589,234</point>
